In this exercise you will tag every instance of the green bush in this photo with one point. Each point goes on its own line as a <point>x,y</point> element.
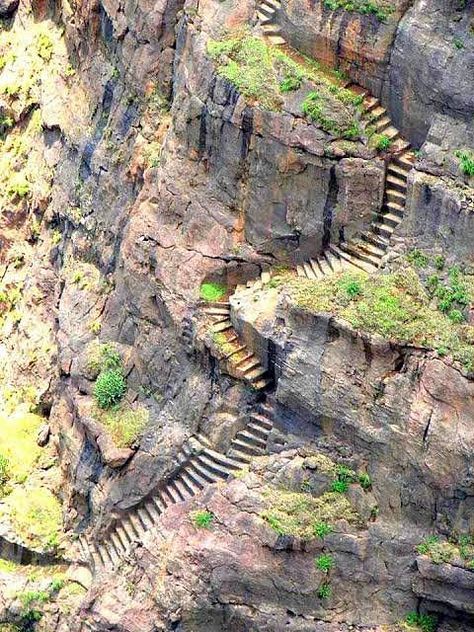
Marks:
<point>322,529</point>
<point>324,562</point>
<point>202,519</point>
<point>466,159</point>
<point>212,291</point>
<point>365,7</point>
<point>340,487</point>
<point>109,388</point>
<point>381,142</point>
<point>365,481</point>
<point>421,622</point>
<point>324,591</point>
<point>417,258</point>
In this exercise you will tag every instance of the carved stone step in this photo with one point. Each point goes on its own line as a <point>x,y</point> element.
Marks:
<point>247,436</point>
<point>259,431</point>
<point>397,171</point>
<point>243,446</point>
<point>276,40</point>
<point>397,183</point>
<point>224,326</point>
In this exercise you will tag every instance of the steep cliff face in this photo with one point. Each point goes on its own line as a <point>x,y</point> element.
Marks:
<point>138,169</point>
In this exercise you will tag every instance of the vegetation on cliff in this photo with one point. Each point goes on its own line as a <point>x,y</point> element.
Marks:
<point>400,307</point>
<point>264,74</point>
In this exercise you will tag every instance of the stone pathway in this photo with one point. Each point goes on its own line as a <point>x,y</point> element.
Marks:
<point>201,466</point>
<point>241,360</point>
<point>365,252</point>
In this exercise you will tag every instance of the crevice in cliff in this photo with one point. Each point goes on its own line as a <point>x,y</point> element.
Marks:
<point>330,205</point>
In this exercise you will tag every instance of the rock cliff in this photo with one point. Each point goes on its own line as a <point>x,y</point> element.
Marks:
<point>208,440</point>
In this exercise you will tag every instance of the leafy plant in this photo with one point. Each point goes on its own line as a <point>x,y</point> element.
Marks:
<point>212,291</point>
<point>418,258</point>
<point>203,519</point>
<point>466,158</point>
<point>439,262</point>
<point>109,388</point>
<point>322,529</point>
<point>324,562</point>
<point>439,552</point>
<point>324,591</point>
<point>339,487</point>
<point>365,481</point>
<point>365,7</point>
<point>381,142</point>
<point>421,622</point>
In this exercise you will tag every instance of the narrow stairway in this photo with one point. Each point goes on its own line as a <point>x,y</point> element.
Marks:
<point>199,468</point>
<point>241,360</point>
<point>365,252</point>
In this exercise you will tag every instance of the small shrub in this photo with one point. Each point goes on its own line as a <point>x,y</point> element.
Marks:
<point>202,519</point>
<point>417,258</point>
<point>44,46</point>
<point>324,591</point>
<point>340,487</point>
<point>456,316</point>
<point>212,291</point>
<point>109,388</point>
<point>322,529</point>
<point>421,622</point>
<point>458,43</point>
<point>381,142</point>
<point>439,262</point>
<point>466,159</point>
<point>324,562</point>
<point>353,288</point>
<point>365,481</point>
<point>439,552</point>
<point>290,83</point>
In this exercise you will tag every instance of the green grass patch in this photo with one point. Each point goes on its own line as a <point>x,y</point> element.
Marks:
<point>109,388</point>
<point>202,519</point>
<point>125,423</point>
<point>263,74</point>
<point>397,307</point>
<point>324,591</point>
<point>212,291</point>
<point>36,516</point>
<point>466,161</point>
<point>324,562</point>
<point>302,515</point>
<point>18,447</point>
<point>421,622</point>
<point>379,8</point>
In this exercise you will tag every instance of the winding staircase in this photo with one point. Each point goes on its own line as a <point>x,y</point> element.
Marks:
<point>200,466</point>
<point>365,252</point>
<point>241,361</point>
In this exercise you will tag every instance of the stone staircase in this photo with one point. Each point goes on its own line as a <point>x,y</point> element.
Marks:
<point>242,361</point>
<point>267,14</point>
<point>200,467</point>
<point>366,251</point>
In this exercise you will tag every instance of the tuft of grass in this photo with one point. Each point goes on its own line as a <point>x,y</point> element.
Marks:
<point>439,552</point>
<point>365,481</point>
<point>302,515</point>
<point>421,622</point>
<point>124,423</point>
<point>418,258</point>
<point>324,591</point>
<point>381,142</point>
<point>202,519</point>
<point>324,562</point>
<point>18,448</point>
<point>322,529</point>
<point>212,291</point>
<point>466,161</point>
<point>378,8</point>
<point>36,516</point>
